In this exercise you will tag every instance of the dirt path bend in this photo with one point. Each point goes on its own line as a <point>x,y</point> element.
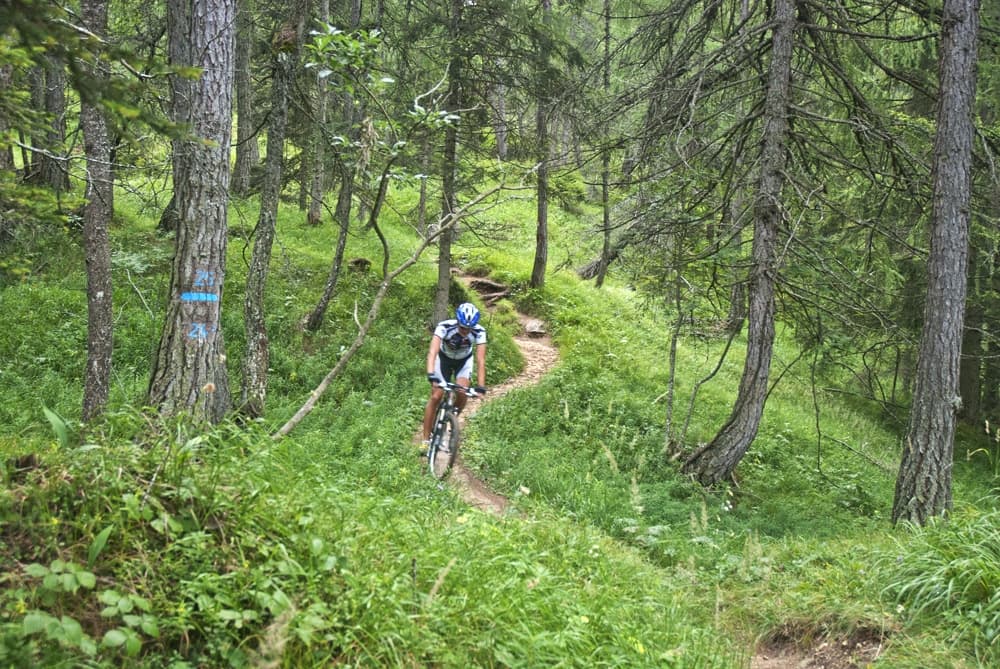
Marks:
<point>539,357</point>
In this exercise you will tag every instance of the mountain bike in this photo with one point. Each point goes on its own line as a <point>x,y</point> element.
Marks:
<point>443,449</point>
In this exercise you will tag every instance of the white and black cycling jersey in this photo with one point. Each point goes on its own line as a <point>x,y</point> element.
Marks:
<point>456,345</point>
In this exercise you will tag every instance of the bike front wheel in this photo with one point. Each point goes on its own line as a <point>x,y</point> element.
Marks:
<point>444,446</point>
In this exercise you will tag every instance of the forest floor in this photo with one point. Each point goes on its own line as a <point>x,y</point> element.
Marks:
<point>787,650</point>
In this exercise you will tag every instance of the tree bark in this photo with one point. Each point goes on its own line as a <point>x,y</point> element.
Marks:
<point>970,370</point>
<point>500,130</point>
<point>449,170</point>
<point>343,216</point>
<point>542,130</point>
<point>717,460</point>
<point>253,395</point>
<point>6,150</point>
<point>247,150</point>
<point>923,485</point>
<point>55,172</point>
<point>315,213</point>
<point>97,215</point>
<point>189,372</point>
<point>602,266</point>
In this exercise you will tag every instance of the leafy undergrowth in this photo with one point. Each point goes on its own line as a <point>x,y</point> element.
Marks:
<point>224,548</point>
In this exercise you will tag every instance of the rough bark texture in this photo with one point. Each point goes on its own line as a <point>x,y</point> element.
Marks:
<point>247,151</point>
<point>54,169</point>
<point>923,486</point>
<point>189,372</point>
<point>542,130</point>
<point>96,220</point>
<point>316,188</point>
<point>718,459</point>
<point>255,363</point>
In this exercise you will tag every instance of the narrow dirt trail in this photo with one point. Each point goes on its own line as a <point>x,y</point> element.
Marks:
<point>539,357</point>
<point>852,651</point>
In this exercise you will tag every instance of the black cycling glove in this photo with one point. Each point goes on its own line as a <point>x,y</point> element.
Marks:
<point>432,378</point>
<point>480,390</point>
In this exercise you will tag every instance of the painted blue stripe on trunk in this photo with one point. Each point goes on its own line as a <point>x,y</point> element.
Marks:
<point>199,297</point>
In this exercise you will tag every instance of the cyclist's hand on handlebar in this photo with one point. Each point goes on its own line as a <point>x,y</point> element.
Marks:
<point>432,378</point>
<point>480,390</point>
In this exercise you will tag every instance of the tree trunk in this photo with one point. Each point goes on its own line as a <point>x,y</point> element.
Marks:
<point>923,486</point>
<point>425,164</point>
<point>449,171</point>
<point>542,129</point>
<point>6,150</point>
<point>970,367</point>
<point>97,215</point>
<point>247,150</point>
<point>343,216</point>
<point>189,371</point>
<point>500,119</point>
<point>32,160</point>
<point>253,395</point>
<point>602,266</point>
<point>315,213</point>
<point>738,288</point>
<point>991,351</point>
<point>718,459</point>
<point>55,170</point>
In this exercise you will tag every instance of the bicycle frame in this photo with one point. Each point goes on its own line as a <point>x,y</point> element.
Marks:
<point>445,435</point>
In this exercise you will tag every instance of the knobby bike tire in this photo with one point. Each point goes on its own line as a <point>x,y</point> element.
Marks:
<point>444,446</point>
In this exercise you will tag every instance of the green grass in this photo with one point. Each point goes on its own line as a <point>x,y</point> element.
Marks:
<point>136,542</point>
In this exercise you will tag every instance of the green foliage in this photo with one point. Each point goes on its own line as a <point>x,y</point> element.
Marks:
<point>332,545</point>
<point>947,575</point>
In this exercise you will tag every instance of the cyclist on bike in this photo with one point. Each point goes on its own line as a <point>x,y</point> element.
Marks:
<point>450,355</point>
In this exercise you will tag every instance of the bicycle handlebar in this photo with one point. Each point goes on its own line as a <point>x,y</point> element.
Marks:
<point>448,385</point>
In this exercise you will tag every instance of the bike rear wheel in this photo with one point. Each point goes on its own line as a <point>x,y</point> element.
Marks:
<point>444,446</point>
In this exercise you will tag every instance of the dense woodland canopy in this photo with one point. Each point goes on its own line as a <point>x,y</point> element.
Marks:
<point>823,173</point>
<point>825,166</point>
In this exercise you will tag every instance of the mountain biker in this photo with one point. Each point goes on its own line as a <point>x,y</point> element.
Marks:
<point>453,345</point>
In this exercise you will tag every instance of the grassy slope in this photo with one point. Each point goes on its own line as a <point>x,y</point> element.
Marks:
<point>332,544</point>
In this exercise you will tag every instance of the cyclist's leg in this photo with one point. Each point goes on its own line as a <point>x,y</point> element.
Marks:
<point>432,402</point>
<point>462,378</point>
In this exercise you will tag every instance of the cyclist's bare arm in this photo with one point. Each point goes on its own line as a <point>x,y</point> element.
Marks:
<point>432,354</point>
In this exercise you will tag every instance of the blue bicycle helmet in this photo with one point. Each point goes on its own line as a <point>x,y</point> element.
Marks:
<point>467,315</point>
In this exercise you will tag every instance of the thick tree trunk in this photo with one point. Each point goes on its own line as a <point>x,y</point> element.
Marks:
<point>189,373</point>
<point>96,220</point>
<point>717,460</point>
<point>923,486</point>
<point>247,150</point>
